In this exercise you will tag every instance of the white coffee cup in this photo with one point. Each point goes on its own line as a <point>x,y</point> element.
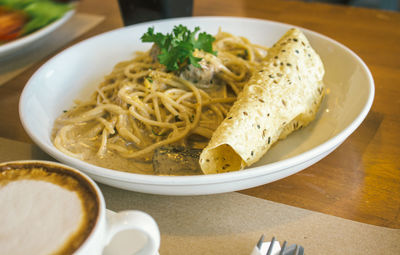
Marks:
<point>57,207</point>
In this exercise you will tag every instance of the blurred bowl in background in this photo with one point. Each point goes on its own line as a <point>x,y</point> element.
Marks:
<point>20,45</point>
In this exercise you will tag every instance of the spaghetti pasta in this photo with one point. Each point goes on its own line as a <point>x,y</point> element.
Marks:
<point>141,106</point>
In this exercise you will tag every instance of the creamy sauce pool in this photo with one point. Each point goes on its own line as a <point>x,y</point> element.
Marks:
<point>113,160</point>
<point>116,162</point>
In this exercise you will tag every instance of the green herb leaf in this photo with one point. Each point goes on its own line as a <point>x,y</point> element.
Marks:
<point>177,47</point>
<point>150,79</point>
<point>204,42</point>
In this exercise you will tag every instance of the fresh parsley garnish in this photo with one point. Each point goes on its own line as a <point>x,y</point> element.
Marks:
<point>177,47</point>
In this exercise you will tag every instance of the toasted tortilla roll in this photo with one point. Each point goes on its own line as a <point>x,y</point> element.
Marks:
<point>282,97</point>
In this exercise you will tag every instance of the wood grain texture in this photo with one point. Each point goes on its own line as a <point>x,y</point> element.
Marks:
<point>361,179</point>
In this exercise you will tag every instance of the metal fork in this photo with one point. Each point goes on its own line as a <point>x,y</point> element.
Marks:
<point>293,249</point>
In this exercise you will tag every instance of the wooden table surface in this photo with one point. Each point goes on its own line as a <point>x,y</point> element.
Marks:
<point>360,180</point>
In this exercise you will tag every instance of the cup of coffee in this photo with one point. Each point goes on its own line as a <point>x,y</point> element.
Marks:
<point>50,208</point>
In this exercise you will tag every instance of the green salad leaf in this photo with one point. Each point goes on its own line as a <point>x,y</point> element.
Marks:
<point>177,47</point>
<point>16,4</point>
<point>43,13</point>
<point>40,12</point>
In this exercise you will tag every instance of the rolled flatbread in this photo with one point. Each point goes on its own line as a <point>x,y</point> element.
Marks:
<point>283,96</point>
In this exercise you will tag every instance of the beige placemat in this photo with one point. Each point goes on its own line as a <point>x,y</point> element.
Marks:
<point>79,24</point>
<point>231,223</point>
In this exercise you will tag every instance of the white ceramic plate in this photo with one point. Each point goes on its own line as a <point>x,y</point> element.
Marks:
<point>75,73</point>
<point>30,40</point>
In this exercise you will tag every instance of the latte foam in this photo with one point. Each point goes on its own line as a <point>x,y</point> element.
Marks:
<point>22,227</point>
<point>44,212</point>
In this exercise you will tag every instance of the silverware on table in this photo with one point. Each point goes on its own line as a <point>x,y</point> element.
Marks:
<point>293,249</point>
